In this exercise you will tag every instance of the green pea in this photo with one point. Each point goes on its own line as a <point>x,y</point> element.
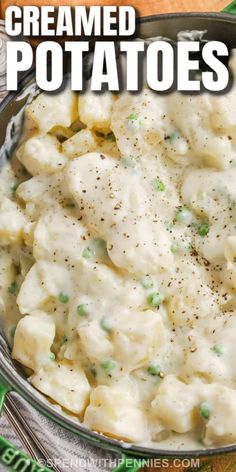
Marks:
<point>203,229</point>
<point>12,288</point>
<point>108,365</point>
<point>106,325</point>
<point>63,297</point>
<point>132,116</point>
<point>154,369</point>
<point>172,137</point>
<point>184,215</point>
<point>88,253</point>
<point>205,410</point>
<point>52,356</point>
<point>155,299</point>
<point>159,185</point>
<point>147,282</point>
<point>217,350</point>
<point>82,309</point>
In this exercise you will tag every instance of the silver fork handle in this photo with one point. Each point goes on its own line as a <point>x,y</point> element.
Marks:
<point>29,440</point>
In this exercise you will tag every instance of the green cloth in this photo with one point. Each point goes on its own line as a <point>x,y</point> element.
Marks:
<point>231,8</point>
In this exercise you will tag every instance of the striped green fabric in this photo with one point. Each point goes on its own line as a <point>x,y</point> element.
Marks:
<point>231,8</point>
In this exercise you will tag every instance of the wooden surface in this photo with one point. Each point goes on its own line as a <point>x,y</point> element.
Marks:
<point>145,7</point>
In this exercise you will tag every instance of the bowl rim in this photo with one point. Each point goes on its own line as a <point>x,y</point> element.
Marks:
<point>18,384</point>
<point>228,17</point>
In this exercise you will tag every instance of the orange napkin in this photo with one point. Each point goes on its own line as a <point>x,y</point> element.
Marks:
<point>145,7</point>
